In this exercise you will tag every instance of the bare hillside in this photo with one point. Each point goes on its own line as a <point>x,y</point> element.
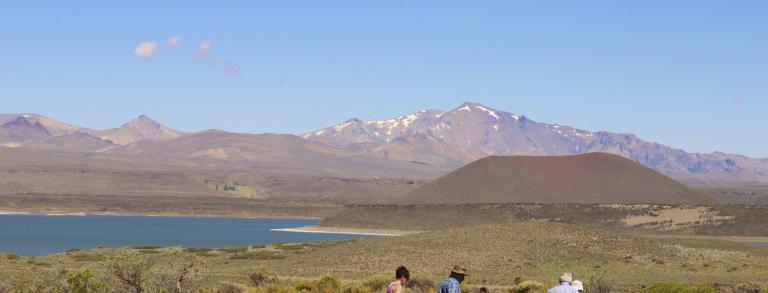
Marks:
<point>590,178</point>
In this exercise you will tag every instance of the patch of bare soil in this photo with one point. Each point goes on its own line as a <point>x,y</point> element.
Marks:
<point>676,218</point>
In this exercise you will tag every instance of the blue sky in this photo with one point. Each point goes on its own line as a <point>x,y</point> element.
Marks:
<point>690,74</point>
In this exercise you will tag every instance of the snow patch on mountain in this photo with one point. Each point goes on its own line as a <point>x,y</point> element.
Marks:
<point>473,131</point>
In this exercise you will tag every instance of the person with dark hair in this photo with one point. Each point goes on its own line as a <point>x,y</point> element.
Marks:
<point>452,284</point>
<point>401,277</point>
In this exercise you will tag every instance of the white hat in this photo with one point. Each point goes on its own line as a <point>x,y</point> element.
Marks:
<point>578,285</point>
<point>566,277</point>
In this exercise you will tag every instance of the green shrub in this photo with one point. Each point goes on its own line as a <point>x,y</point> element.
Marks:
<point>354,288</point>
<point>290,247</point>
<point>668,287</point>
<point>84,282</point>
<point>130,269</point>
<point>272,288</point>
<point>198,250</point>
<point>421,284</point>
<point>376,283</point>
<point>235,249</point>
<point>526,286</point>
<point>752,287</point>
<point>672,287</point>
<point>258,255</point>
<point>229,288</point>
<point>328,284</point>
<point>305,286</point>
<point>206,254</point>
<point>599,284</point>
<point>87,257</point>
<point>259,279</point>
<point>704,289</point>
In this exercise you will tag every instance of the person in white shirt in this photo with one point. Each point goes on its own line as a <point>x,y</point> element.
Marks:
<point>565,285</point>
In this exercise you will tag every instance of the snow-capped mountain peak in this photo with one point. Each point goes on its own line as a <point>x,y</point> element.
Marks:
<point>473,130</point>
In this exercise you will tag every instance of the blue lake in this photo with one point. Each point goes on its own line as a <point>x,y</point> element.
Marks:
<point>35,235</point>
<point>761,243</point>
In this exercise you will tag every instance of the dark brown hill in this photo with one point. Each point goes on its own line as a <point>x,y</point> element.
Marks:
<point>589,178</point>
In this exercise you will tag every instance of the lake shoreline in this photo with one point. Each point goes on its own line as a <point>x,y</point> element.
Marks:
<point>37,235</point>
<point>346,231</point>
<point>170,215</point>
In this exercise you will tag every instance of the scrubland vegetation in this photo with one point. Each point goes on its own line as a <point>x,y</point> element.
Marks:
<point>716,220</point>
<point>509,257</point>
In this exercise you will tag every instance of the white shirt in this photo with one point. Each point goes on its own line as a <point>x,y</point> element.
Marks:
<point>564,287</point>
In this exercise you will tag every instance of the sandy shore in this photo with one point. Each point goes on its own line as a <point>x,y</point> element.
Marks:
<point>744,239</point>
<point>347,231</point>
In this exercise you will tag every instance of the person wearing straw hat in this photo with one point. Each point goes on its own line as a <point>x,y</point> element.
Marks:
<point>565,285</point>
<point>452,284</point>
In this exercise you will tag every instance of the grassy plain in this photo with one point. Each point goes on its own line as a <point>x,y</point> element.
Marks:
<point>498,255</point>
<point>716,220</point>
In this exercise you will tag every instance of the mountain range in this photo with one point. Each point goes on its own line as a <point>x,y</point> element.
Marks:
<point>472,131</point>
<point>422,144</point>
<point>146,140</point>
<point>36,131</point>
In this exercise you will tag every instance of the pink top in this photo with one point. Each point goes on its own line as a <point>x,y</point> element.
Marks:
<point>391,287</point>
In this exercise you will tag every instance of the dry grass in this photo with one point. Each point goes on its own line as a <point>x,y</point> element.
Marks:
<point>497,255</point>
<point>679,219</point>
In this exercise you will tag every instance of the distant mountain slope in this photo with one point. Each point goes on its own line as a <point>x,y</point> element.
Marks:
<point>141,128</point>
<point>588,178</point>
<point>282,151</point>
<point>473,131</point>
<point>39,132</point>
<point>76,141</point>
<point>55,127</point>
<point>35,131</point>
<point>22,129</point>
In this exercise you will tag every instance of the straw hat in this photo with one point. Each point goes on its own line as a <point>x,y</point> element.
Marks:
<point>459,270</point>
<point>578,285</point>
<point>566,277</point>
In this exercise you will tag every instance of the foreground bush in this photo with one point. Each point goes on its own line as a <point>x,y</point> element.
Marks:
<point>599,284</point>
<point>421,284</point>
<point>672,287</point>
<point>354,288</point>
<point>272,288</point>
<point>305,286</point>
<point>328,284</point>
<point>528,286</point>
<point>259,279</point>
<point>376,283</point>
<point>83,282</point>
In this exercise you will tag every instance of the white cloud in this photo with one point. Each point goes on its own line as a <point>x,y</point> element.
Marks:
<point>231,68</point>
<point>204,55</point>
<point>145,50</point>
<point>173,42</point>
<point>203,49</point>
